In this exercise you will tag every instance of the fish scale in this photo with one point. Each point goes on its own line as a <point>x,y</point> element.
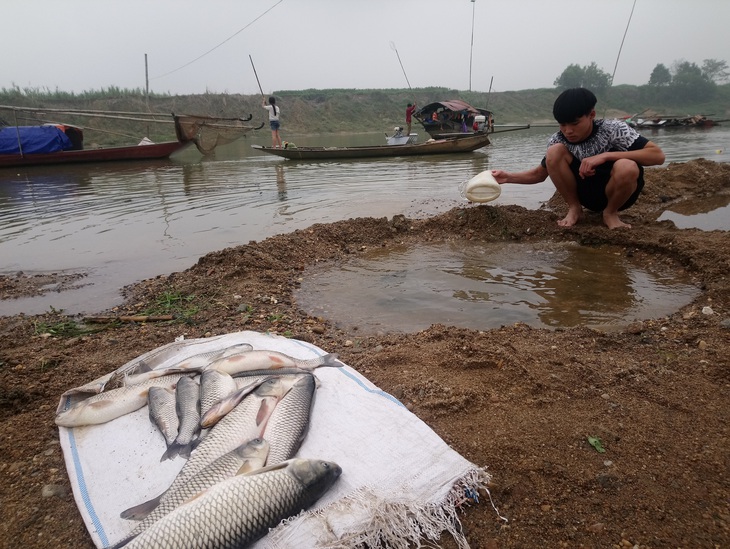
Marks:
<point>238,511</point>
<point>244,459</point>
<point>289,421</point>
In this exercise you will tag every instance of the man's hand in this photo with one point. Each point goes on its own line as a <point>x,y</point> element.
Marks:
<point>588,165</point>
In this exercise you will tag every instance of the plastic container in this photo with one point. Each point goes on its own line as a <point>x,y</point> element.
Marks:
<point>482,188</point>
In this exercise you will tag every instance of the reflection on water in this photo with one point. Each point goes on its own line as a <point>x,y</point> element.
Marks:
<point>709,214</point>
<point>482,286</point>
<point>124,222</point>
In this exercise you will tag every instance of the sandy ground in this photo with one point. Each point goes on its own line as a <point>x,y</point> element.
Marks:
<point>521,401</point>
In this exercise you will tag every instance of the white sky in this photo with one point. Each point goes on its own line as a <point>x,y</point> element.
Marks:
<point>78,45</point>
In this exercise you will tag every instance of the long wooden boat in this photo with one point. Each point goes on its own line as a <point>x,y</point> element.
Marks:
<point>432,146</point>
<point>108,154</point>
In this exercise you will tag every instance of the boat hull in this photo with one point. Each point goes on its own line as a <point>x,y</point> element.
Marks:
<point>137,152</point>
<point>439,146</point>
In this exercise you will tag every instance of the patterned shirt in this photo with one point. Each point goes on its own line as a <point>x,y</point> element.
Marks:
<point>607,135</point>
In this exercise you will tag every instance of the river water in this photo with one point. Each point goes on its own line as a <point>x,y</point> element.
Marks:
<point>121,223</point>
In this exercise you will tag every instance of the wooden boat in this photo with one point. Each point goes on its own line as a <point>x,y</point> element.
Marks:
<point>432,146</point>
<point>671,121</point>
<point>55,143</point>
<point>454,117</point>
<point>75,153</point>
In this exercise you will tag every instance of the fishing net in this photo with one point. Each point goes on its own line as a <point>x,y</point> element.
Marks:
<point>208,132</point>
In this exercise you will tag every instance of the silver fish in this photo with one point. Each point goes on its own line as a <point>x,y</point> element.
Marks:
<point>246,458</point>
<point>245,422</point>
<point>214,386</point>
<point>112,404</point>
<point>187,404</point>
<point>161,404</point>
<point>195,363</point>
<point>238,511</point>
<point>289,422</point>
<point>269,360</point>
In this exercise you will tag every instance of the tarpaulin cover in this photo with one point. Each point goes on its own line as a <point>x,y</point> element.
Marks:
<point>401,483</point>
<point>33,139</point>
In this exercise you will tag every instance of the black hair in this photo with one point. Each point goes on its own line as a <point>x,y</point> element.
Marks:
<point>272,102</point>
<point>572,104</point>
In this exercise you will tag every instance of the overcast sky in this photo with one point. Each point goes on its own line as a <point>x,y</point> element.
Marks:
<point>204,45</point>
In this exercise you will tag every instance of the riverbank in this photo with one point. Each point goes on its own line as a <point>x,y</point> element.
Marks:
<point>518,400</point>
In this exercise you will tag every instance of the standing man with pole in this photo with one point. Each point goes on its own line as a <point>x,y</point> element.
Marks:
<point>274,112</point>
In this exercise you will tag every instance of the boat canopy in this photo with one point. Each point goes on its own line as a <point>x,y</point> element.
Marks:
<point>452,105</point>
<point>33,139</point>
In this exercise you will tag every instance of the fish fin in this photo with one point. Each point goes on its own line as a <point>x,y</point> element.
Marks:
<point>226,404</point>
<point>185,449</point>
<point>265,409</point>
<point>139,512</point>
<point>172,451</point>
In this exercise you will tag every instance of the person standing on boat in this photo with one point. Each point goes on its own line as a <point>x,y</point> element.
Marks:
<point>274,123</point>
<point>596,164</point>
<point>410,109</point>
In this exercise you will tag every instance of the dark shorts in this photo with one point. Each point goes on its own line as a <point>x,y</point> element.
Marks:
<point>274,125</point>
<point>592,190</point>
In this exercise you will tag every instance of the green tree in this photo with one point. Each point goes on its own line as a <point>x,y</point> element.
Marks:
<point>590,76</point>
<point>689,82</point>
<point>571,77</point>
<point>715,70</point>
<point>660,76</point>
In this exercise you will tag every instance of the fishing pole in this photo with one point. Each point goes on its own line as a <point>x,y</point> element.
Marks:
<point>257,77</point>
<point>392,46</point>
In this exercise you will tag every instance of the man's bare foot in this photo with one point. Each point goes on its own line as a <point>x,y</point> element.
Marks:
<point>572,217</point>
<point>613,222</point>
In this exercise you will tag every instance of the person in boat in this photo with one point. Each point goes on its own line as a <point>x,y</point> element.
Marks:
<point>596,164</point>
<point>274,123</point>
<point>410,109</point>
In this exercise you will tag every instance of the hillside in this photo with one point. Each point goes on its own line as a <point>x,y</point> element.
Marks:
<point>333,110</point>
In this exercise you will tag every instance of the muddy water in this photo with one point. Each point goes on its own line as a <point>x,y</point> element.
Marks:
<point>487,285</point>
<point>120,223</point>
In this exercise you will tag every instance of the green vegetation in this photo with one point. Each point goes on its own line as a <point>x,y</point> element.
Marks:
<point>349,110</point>
<point>172,302</point>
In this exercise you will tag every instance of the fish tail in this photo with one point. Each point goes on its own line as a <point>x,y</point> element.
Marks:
<point>139,512</point>
<point>172,451</point>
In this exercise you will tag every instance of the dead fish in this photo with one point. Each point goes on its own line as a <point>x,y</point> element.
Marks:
<point>214,386</point>
<point>269,360</point>
<point>238,511</point>
<point>289,422</point>
<point>245,422</point>
<point>246,458</point>
<point>161,403</point>
<point>187,405</point>
<point>228,403</point>
<point>195,363</point>
<point>112,404</point>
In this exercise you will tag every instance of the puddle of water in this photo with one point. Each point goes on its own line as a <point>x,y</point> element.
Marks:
<point>488,285</point>
<point>711,214</point>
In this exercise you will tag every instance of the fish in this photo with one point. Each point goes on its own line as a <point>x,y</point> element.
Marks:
<point>245,422</point>
<point>214,386</point>
<point>109,405</point>
<point>238,511</point>
<point>289,422</point>
<point>228,403</point>
<point>195,363</point>
<point>161,404</point>
<point>248,457</point>
<point>187,405</point>
<point>269,360</point>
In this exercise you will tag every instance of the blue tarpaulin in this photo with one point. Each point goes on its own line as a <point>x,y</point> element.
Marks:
<point>33,139</point>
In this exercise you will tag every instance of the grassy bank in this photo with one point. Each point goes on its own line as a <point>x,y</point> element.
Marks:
<point>332,110</point>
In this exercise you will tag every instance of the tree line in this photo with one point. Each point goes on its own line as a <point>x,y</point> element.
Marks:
<point>682,81</point>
